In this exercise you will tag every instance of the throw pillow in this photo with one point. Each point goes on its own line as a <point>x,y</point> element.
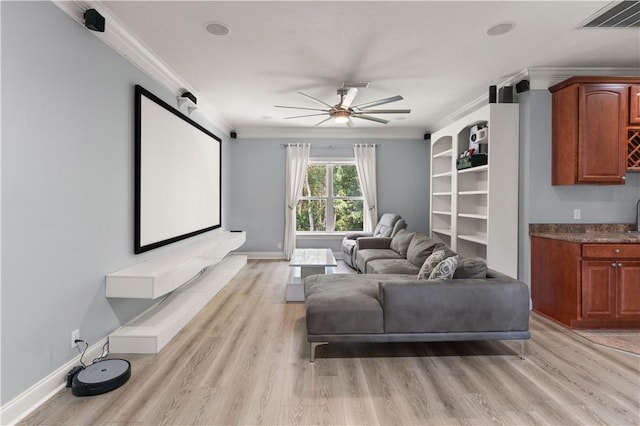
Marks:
<point>429,265</point>
<point>471,268</point>
<point>444,269</point>
<point>419,249</point>
<point>400,243</point>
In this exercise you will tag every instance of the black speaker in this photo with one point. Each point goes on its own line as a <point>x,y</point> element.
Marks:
<point>190,96</point>
<point>522,86</point>
<point>493,94</point>
<point>93,20</point>
<point>233,135</point>
<point>427,136</point>
<point>505,95</point>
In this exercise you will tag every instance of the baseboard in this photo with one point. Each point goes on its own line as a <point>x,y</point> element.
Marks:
<point>22,405</point>
<point>271,255</point>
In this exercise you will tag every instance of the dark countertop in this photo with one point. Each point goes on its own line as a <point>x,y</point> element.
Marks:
<point>585,233</point>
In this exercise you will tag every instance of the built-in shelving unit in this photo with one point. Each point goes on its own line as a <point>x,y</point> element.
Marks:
<point>475,210</point>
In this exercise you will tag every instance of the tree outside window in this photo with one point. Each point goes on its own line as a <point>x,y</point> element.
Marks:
<point>331,198</point>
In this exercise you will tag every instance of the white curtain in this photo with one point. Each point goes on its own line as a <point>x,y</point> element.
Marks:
<point>296,168</point>
<point>365,156</point>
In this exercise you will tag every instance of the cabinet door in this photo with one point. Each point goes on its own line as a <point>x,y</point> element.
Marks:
<point>602,152</point>
<point>634,101</point>
<point>628,289</point>
<point>598,289</point>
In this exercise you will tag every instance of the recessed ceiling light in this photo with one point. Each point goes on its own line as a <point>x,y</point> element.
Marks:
<point>216,28</point>
<point>501,28</point>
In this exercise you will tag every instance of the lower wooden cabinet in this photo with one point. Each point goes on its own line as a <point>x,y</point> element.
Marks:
<point>586,285</point>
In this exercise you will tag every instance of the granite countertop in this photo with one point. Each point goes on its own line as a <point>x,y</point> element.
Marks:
<point>585,233</point>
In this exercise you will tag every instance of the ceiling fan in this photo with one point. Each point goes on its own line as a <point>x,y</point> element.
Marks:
<point>343,112</point>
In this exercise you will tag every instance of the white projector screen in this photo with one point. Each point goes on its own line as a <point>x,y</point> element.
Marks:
<point>177,176</point>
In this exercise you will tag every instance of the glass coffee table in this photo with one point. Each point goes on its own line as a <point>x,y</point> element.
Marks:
<point>305,262</point>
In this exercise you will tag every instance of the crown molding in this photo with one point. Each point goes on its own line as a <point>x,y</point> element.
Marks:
<point>540,78</point>
<point>331,133</point>
<point>119,38</point>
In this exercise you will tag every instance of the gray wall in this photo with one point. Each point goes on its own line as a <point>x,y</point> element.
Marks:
<point>540,202</point>
<point>257,196</point>
<point>67,188</point>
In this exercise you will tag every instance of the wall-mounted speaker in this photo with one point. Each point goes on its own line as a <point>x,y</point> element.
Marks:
<point>427,136</point>
<point>493,94</point>
<point>505,95</point>
<point>233,135</point>
<point>190,96</point>
<point>93,20</point>
<point>522,86</point>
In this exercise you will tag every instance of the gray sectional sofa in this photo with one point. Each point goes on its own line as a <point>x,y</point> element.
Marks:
<point>389,303</point>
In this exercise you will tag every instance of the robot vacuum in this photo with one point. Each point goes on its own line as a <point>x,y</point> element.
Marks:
<point>101,377</point>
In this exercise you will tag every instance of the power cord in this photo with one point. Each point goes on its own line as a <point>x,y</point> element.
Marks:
<point>75,370</point>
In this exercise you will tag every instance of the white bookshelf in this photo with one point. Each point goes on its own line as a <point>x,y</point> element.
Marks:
<point>475,210</point>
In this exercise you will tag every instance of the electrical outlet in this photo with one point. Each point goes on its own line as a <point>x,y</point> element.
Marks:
<point>280,245</point>
<point>577,214</point>
<point>75,335</point>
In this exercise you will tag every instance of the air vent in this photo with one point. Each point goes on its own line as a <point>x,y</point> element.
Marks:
<point>625,14</point>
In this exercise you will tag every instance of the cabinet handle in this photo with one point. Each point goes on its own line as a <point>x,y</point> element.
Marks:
<point>619,265</point>
<point>614,264</point>
<point>616,251</point>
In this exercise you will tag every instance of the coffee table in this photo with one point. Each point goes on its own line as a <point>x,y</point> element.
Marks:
<point>305,262</point>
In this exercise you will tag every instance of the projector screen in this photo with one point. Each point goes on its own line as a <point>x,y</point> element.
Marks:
<point>177,175</point>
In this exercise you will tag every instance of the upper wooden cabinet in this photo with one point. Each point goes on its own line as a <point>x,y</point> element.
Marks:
<point>634,109</point>
<point>589,130</point>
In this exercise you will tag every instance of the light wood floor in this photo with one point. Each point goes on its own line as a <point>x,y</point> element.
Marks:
<point>244,360</point>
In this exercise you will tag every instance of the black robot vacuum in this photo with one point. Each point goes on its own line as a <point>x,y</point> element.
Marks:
<point>101,377</point>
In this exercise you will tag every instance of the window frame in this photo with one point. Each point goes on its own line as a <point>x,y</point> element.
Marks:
<point>329,198</point>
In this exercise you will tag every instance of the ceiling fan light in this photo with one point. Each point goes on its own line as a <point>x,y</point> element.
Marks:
<point>341,117</point>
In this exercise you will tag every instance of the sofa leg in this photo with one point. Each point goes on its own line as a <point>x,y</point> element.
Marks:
<point>312,350</point>
<point>521,355</point>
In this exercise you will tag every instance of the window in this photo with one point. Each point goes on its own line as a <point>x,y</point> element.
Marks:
<point>331,198</point>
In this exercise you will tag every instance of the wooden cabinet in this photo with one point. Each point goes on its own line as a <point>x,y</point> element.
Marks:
<point>634,105</point>
<point>590,118</point>
<point>585,285</point>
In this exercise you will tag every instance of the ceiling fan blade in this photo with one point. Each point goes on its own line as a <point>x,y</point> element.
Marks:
<point>368,117</point>
<point>347,100</point>
<point>308,109</point>
<point>383,111</point>
<point>378,102</point>
<point>327,119</point>
<point>307,115</point>
<point>316,100</point>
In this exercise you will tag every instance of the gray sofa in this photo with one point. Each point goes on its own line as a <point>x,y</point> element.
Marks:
<point>388,226</point>
<point>478,304</point>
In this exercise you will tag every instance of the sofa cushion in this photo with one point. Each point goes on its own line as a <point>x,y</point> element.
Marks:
<point>391,266</point>
<point>445,269</point>
<point>429,265</point>
<point>471,268</point>
<point>365,256</point>
<point>398,226</point>
<point>343,304</point>
<point>400,242</point>
<point>419,249</point>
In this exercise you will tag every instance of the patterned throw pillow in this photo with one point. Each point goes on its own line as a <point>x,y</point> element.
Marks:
<point>432,261</point>
<point>445,269</point>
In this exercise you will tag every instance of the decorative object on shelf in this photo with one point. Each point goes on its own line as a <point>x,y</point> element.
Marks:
<point>478,135</point>
<point>468,159</point>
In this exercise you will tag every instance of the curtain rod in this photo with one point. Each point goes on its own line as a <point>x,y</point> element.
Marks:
<point>337,146</point>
